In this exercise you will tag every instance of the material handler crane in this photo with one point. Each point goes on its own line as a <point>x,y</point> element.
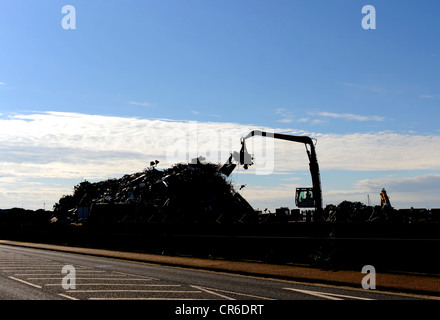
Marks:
<point>310,197</point>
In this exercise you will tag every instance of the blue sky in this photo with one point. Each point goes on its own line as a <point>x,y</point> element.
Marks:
<point>368,96</point>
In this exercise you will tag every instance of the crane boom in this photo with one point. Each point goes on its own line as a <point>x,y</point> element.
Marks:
<point>313,161</point>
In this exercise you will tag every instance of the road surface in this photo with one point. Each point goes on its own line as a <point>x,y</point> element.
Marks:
<point>35,274</point>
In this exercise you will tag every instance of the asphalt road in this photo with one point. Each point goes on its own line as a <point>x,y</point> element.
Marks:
<point>35,274</point>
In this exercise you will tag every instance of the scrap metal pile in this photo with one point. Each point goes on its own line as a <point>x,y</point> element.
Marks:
<point>184,193</point>
<point>348,211</point>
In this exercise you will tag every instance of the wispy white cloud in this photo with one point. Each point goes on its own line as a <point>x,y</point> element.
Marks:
<point>349,116</point>
<point>2,83</point>
<point>142,104</point>
<point>211,115</point>
<point>310,120</point>
<point>285,120</point>
<point>426,96</point>
<point>424,183</point>
<point>55,146</point>
<point>287,116</point>
<point>379,151</point>
<point>316,117</point>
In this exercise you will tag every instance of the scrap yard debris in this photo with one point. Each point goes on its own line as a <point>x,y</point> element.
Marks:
<point>354,212</point>
<point>196,192</point>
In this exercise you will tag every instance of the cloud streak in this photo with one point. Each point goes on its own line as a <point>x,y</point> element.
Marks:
<point>349,116</point>
<point>287,116</point>
<point>142,104</point>
<point>406,184</point>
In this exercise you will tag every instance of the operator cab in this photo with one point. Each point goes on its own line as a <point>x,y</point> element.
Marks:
<point>304,198</point>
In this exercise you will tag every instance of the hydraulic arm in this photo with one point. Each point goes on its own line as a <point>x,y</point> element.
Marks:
<point>246,160</point>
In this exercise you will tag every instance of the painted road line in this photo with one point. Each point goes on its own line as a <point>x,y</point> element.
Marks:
<point>36,274</point>
<point>326,295</point>
<point>8,263</point>
<point>83,278</point>
<point>23,281</point>
<point>36,269</point>
<point>35,266</point>
<point>116,290</point>
<point>134,275</point>
<point>238,293</point>
<point>119,284</point>
<point>50,274</point>
<point>66,296</point>
<point>147,298</point>
<point>32,267</point>
<point>213,293</point>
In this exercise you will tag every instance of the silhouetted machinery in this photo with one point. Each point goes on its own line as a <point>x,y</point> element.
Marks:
<point>384,199</point>
<point>310,197</point>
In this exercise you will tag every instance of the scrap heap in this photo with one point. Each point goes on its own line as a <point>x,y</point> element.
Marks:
<point>348,211</point>
<point>185,193</point>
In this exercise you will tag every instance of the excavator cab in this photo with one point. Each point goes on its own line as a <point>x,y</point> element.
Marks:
<point>304,198</point>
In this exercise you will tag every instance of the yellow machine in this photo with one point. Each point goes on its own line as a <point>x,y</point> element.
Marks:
<point>384,200</point>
